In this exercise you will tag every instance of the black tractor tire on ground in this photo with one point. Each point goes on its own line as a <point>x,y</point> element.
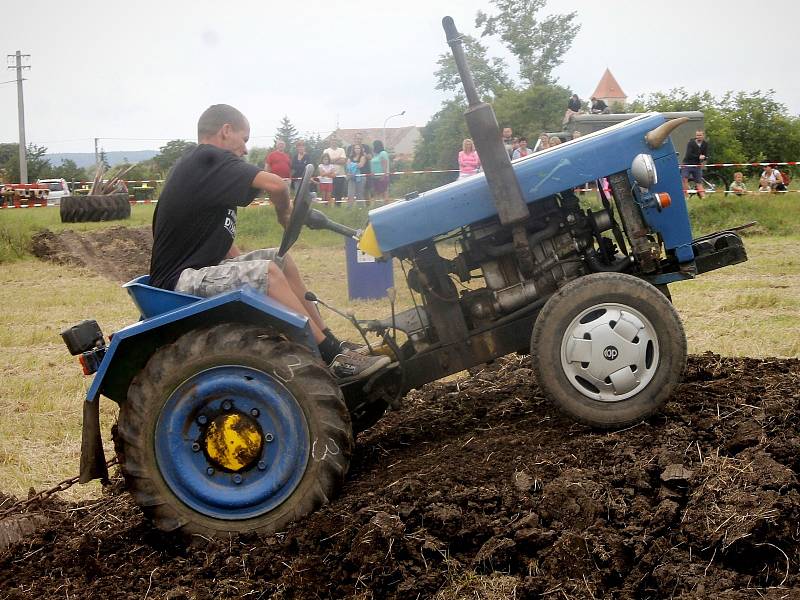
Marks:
<point>81,209</point>
<point>589,302</point>
<point>298,371</point>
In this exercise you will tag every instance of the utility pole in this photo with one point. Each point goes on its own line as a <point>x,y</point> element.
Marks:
<point>96,154</point>
<point>23,158</point>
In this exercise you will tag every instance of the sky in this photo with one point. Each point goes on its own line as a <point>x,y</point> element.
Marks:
<point>137,74</point>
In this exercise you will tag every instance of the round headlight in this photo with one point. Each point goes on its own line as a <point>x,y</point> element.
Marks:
<point>643,170</point>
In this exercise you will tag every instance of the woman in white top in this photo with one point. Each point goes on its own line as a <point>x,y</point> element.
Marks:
<point>327,172</point>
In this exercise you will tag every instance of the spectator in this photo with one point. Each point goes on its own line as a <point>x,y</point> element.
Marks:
<point>522,150</point>
<point>573,108</point>
<point>738,186</point>
<point>508,140</point>
<point>468,160</point>
<point>576,134</point>
<point>279,163</point>
<point>379,165</point>
<point>355,178</point>
<point>327,172</point>
<point>693,160</point>
<point>514,146</point>
<point>299,162</point>
<point>338,159</point>
<point>554,141</point>
<point>771,180</point>
<point>544,141</point>
<point>599,107</point>
<point>366,170</point>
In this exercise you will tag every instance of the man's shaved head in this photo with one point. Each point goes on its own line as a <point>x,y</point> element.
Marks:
<point>214,117</point>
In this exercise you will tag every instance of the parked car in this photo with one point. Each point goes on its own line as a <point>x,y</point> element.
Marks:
<point>58,189</point>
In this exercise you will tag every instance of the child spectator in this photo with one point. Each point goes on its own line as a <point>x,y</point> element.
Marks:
<point>468,160</point>
<point>738,186</point>
<point>327,172</point>
<point>554,141</point>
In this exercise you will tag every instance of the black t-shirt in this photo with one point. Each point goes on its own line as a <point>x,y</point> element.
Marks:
<point>195,219</point>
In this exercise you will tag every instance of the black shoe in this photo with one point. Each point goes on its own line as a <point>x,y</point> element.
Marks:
<point>351,366</point>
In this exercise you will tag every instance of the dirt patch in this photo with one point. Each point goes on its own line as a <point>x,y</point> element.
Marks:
<point>479,489</point>
<point>118,253</point>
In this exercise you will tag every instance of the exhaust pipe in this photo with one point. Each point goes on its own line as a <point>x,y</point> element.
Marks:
<point>659,135</point>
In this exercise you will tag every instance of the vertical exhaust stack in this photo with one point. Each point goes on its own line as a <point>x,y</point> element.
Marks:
<point>482,125</point>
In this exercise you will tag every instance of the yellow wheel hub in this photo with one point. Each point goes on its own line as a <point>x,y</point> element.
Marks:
<point>233,441</point>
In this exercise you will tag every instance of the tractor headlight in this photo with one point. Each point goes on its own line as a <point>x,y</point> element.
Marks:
<point>643,169</point>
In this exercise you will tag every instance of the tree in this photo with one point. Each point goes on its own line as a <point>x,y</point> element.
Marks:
<point>102,160</point>
<point>68,170</point>
<point>538,45</point>
<point>38,166</point>
<point>286,132</point>
<point>490,75</point>
<point>169,153</point>
<point>257,155</point>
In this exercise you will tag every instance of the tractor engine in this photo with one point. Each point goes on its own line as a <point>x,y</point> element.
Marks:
<point>560,237</point>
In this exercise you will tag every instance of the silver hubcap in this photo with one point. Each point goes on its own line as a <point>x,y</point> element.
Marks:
<point>609,352</point>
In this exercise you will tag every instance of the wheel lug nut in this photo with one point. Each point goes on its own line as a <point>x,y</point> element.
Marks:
<point>269,437</point>
<point>237,478</point>
<point>195,447</point>
<point>226,405</point>
<point>202,419</point>
<point>262,465</point>
<point>254,412</point>
<point>210,471</point>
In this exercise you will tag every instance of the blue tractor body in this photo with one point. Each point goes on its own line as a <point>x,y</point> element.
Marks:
<point>589,158</point>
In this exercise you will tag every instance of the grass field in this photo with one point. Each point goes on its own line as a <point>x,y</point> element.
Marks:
<point>751,309</point>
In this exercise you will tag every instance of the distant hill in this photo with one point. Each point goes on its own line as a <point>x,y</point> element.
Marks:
<point>86,159</point>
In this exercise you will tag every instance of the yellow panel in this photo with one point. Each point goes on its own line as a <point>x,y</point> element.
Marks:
<point>369,243</point>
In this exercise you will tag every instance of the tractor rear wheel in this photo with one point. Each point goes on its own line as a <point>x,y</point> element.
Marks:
<point>230,429</point>
<point>608,349</point>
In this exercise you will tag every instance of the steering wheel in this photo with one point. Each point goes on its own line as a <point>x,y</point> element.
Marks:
<point>300,210</point>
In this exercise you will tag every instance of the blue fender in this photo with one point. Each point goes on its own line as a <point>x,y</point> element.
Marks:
<point>132,347</point>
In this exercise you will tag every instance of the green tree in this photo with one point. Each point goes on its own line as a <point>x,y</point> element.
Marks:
<point>533,110</point>
<point>102,160</point>
<point>490,75</point>
<point>169,153</point>
<point>762,125</point>
<point>539,45</point>
<point>68,170</point>
<point>257,155</point>
<point>286,132</point>
<point>38,166</point>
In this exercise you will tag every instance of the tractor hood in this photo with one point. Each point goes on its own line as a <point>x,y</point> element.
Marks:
<point>569,165</point>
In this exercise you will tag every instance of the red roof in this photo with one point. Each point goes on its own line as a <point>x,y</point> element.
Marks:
<point>608,87</point>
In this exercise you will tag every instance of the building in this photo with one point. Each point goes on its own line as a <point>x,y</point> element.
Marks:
<point>609,91</point>
<point>401,141</point>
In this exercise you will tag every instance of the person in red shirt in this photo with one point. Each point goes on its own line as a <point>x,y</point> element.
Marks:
<point>279,162</point>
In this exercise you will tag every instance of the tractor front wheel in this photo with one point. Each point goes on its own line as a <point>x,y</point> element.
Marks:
<point>231,429</point>
<point>608,349</point>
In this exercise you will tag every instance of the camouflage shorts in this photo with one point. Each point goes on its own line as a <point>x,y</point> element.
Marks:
<point>249,269</point>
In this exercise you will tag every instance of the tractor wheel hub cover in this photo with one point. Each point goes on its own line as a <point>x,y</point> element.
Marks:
<point>234,441</point>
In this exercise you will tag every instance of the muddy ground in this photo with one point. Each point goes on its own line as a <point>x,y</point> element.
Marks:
<point>478,488</point>
<point>118,253</point>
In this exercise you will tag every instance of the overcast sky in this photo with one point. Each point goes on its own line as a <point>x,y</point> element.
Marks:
<point>148,69</point>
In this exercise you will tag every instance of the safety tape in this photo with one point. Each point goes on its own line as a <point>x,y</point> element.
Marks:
<point>138,182</point>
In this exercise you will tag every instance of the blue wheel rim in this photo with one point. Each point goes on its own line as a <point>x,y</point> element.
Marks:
<point>197,481</point>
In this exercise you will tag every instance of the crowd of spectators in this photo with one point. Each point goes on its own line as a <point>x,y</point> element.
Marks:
<point>359,173</point>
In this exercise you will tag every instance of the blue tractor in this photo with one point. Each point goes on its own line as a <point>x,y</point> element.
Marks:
<point>229,421</point>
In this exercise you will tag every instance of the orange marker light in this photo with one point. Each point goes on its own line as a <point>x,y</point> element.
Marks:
<point>82,360</point>
<point>664,200</point>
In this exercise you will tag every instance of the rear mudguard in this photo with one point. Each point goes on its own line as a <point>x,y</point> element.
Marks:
<point>132,347</point>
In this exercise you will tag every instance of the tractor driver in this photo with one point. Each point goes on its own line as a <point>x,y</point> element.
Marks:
<point>194,226</point>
